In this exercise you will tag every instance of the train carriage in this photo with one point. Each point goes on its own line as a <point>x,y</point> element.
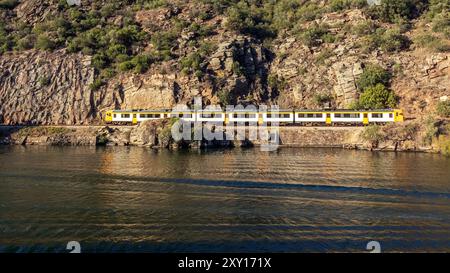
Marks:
<point>310,117</point>
<point>134,116</point>
<point>185,115</point>
<point>242,116</point>
<point>211,116</point>
<point>348,117</point>
<point>282,116</point>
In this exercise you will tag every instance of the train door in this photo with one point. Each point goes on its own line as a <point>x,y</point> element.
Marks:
<point>366,118</point>
<point>260,119</point>
<point>134,119</point>
<point>328,121</point>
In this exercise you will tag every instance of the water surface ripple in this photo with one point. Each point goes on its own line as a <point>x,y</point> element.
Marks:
<point>130,199</point>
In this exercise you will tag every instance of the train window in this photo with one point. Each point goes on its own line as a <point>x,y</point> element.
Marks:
<point>115,115</point>
<point>328,115</point>
<point>125,115</point>
<point>390,115</point>
<point>212,115</point>
<point>376,115</point>
<point>278,115</point>
<point>310,115</point>
<point>337,115</point>
<point>352,115</point>
<point>244,115</point>
<point>184,115</point>
<point>319,115</point>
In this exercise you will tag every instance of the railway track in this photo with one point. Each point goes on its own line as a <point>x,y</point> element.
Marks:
<point>324,127</point>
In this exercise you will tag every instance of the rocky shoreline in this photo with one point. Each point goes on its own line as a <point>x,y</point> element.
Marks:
<point>157,134</point>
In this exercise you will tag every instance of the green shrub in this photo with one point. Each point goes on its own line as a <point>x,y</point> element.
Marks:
<point>275,82</point>
<point>96,84</point>
<point>200,30</point>
<point>44,81</point>
<point>45,43</point>
<point>126,36</point>
<point>139,63</point>
<point>324,55</point>
<point>390,10</point>
<point>108,10</point>
<point>365,28</point>
<point>164,41</point>
<point>107,73</point>
<point>388,40</point>
<point>441,23</point>
<point>321,99</point>
<point>225,97</point>
<point>443,108</point>
<point>377,97</point>
<point>372,134</point>
<point>249,19</point>
<point>115,50</point>
<point>432,42</point>
<point>394,41</point>
<point>339,5</point>
<point>193,62</point>
<point>431,131</point>
<point>8,4</point>
<point>101,140</point>
<point>437,7</point>
<point>308,11</point>
<point>373,75</point>
<point>238,69</point>
<point>142,63</point>
<point>126,66</point>
<point>444,145</point>
<point>314,36</point>
<point>25,43</point>
<point>100,61</point>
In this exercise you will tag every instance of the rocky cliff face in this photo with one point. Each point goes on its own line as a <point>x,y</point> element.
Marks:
<point>42,87</point>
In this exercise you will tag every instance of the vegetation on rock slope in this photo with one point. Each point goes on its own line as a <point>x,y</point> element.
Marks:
<point>118,41</point>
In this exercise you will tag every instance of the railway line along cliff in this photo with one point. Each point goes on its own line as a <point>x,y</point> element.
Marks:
<point>67,65</point>
<point>157,134</point>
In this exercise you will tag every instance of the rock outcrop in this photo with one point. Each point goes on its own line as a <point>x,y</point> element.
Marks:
<point>41,87</point>
<point>48,88</point>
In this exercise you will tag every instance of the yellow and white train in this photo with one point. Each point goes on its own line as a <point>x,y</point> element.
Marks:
<point>286,116</point>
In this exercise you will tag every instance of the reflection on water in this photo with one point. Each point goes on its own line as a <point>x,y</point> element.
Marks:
<point>140,200</point>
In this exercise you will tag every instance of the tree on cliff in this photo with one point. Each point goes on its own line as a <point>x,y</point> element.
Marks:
<point>377,97</point>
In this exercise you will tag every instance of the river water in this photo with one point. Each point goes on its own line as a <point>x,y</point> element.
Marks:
<point>131,199</point>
